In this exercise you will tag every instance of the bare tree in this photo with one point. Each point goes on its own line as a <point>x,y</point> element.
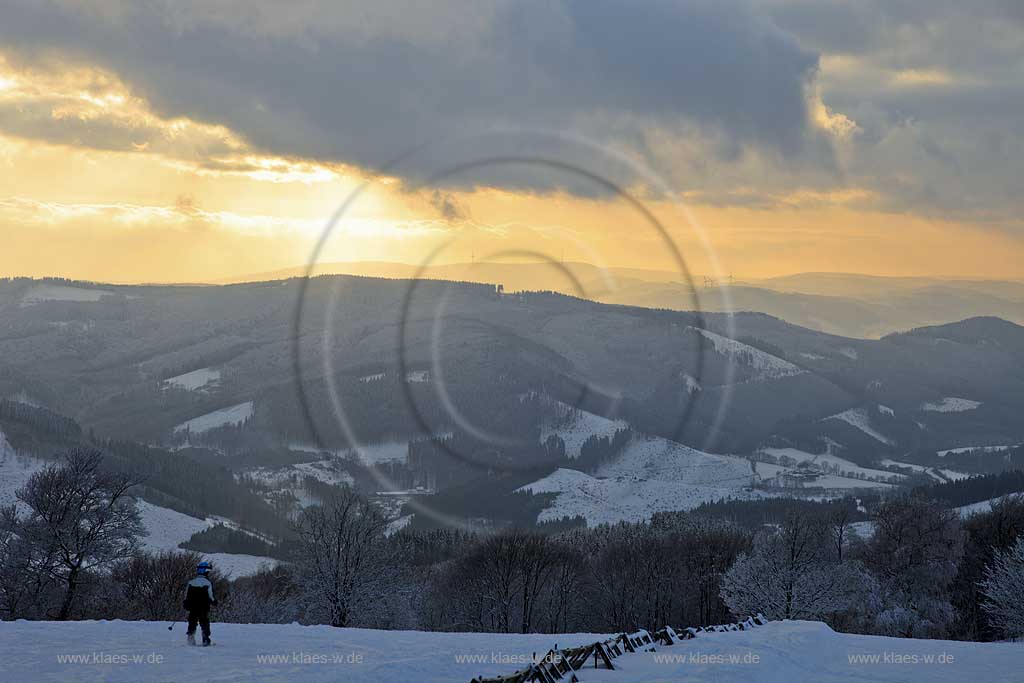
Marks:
<point>343,556</point>
<point>152,586</point>
<point>84,515</point>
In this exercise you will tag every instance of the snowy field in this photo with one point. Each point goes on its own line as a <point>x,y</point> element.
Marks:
<point>781,652</point>
<point>197,379</point>
<point>982,507</point>
<point>830,463</point>
<point>219,418</point>
<point>977,450</point>
<point>951,404</point>
<point>650,475</point>
<point>47,292</point>
<point>371,454</point>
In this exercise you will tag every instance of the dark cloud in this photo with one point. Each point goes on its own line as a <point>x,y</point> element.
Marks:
<point>448,206</point>
<point>366,94</point>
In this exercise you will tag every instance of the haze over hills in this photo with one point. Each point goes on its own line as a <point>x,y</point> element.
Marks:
<point>853,305</point>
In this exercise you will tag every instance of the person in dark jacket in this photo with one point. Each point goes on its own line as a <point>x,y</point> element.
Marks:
<point>198,601</point>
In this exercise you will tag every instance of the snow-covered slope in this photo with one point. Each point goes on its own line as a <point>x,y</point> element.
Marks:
<point>225,416</point>
<point>780,652</point>
<point>830,463</point>
<point>977,450</point>
<point>981,507</point>
<point>197,379</point>
<point>764,365</point>
<point>167,528</point>
<point>576,426</point>
<point>650,475</point>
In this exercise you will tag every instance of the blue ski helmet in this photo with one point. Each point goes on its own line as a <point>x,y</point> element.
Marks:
<point>203,568</point>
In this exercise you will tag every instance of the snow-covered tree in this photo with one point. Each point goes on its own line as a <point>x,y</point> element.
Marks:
<point>915,554</point>
<point>1003,588</point>
<point>27,570</point>
<point>790,574</point>
<point>344,562</point>
<point>82,516</point>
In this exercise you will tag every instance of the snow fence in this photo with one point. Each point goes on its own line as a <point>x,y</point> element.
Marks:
<point>557,664</point>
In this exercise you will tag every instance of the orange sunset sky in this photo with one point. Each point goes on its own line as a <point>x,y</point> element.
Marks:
<point>201,142</point>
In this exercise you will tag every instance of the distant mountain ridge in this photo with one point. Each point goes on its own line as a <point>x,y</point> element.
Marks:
<point>864,306</point>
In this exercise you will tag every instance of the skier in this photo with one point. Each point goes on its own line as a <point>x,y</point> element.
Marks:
<point>198,601</point>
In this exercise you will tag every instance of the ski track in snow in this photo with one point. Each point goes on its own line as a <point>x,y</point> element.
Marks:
<point>786,652</point>
<point>858,417</point>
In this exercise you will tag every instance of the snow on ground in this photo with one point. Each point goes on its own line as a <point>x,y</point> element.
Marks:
<point>197,379</point>
<point>650,475</point>
<point>864,530</point>
<point>388,451</point>
<point>886,410</point>
<point>264,652</point>
<point>984,506</point>
<point>219,418</point>
<point>765,365</point>
<point>933,472</point>
<point>576,426</point>
<point>417,376</point>
<point>849,352</point>
<point>326,471</point>
<point>397,525</point>
<point>609,500</point>
<point>167,528</point>
<point>48,292</point>
<point>975,449</point>
<point>779,652</point>
<point>376,377</point>
<point>951,404</point>
<point>858,417</point>
<point>830,463</point>
<point>930,471</point>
